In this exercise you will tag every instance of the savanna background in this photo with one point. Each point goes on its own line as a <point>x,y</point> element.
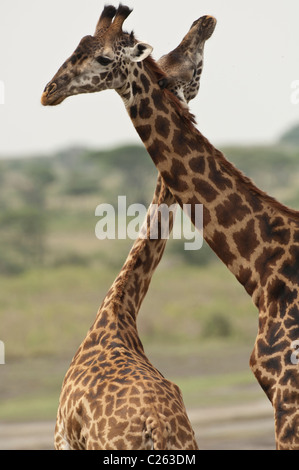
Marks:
<point>197,323</point>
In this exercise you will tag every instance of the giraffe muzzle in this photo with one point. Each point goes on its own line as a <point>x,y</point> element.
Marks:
<point>48,97</point>
<point>206,26</point>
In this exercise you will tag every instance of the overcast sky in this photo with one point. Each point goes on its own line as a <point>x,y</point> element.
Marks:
<point>251,62</point>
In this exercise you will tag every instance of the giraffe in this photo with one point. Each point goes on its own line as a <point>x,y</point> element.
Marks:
<point>135,408</point>
<point>254,235</point>
<point>112,397</point>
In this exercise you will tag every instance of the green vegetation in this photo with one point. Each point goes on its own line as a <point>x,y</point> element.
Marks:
<point>197,324</point>
<point>48,203</point>
<point>291,137</point>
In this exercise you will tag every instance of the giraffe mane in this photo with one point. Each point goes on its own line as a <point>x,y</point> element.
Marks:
<point>181,109</point>
<point>189,120</point>
<point>230,167</point>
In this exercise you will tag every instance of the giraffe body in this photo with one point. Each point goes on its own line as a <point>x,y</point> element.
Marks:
<point>112,396</point>
<point>128,405</point>
<point>255,236</point>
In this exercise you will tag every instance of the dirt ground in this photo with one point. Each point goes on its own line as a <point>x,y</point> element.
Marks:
<point>239,427</point>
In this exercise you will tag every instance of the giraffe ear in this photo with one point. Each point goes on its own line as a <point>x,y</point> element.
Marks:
<point>140,51</point>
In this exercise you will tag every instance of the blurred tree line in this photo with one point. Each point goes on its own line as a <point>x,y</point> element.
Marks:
<point>37,192</point>
<point>23,214</point>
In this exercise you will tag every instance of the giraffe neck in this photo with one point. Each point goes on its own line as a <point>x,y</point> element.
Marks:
<point>136,274</point>
<point>123,300</point>
<point>240,221</point>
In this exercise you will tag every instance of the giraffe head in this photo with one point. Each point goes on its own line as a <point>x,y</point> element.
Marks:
<point>100,61</point>
<point>107,59</point>
<point>183,65</point>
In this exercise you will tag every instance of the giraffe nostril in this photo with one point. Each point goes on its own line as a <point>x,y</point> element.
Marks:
<point>51,88</point>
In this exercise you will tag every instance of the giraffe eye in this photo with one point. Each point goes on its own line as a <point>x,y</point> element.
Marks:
<point>103,60</point>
